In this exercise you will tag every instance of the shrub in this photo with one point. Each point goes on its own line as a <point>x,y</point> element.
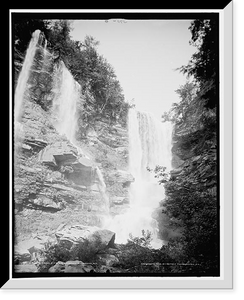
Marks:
<point>51,254</point>
<point>136,252</point>
<point>86,251</point>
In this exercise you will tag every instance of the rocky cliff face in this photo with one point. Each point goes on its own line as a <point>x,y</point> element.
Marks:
<point>56,182</point>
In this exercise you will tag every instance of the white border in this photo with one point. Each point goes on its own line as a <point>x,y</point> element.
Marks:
<point>225,281</point>
<point>11,148</point>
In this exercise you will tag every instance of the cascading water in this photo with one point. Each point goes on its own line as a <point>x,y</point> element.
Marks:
<point>67,93</point>
<point>149,146</point>
<point>102,187</point>
<point>23,80</point>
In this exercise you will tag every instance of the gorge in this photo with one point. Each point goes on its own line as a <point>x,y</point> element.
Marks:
<point>66,187</point>
<point>99,186</point>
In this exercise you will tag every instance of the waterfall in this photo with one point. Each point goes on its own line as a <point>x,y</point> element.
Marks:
<point>64,92</point>
<point>22,83</point>
<point>67,93</point>
<point>102,187</point>
<point>149,146</point>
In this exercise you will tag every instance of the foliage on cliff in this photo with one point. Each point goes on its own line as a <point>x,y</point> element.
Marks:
<point>100,87</point>
<point>22,32</point>
<point>203,65</point>
<point>191,191</point>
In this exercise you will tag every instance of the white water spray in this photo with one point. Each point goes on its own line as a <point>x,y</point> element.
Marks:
<point>102,187</point>
<point>67,94</point>
<point>149,146</point>
<point>22,83</point>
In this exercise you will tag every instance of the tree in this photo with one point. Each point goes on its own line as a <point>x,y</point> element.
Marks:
<point>101,92</point>
<point>166,116</point>
<point>191,204</point>
<point>99,82</point>
<point>58,36</point>
<point>203,65</point>
<point>191,190</point>
<point>22,31</point>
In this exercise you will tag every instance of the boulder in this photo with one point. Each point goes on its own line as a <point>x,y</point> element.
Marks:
<point>102,239</point>
<point>58,153</point>
<point>98,238</point>
<point>46,157</point>
<point>84,162</point>
<point>59,267</point>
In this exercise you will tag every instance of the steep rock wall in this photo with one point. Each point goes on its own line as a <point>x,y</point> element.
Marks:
<point>54,183</point>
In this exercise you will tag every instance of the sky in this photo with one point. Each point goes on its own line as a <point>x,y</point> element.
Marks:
<point>145,55</point>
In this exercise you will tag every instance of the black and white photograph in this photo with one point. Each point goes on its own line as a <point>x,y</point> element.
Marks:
<point>116,145</point>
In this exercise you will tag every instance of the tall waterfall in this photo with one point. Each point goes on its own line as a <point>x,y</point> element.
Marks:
<point>23,79</point>
<point>67,93</point>
<point>149,146</point>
